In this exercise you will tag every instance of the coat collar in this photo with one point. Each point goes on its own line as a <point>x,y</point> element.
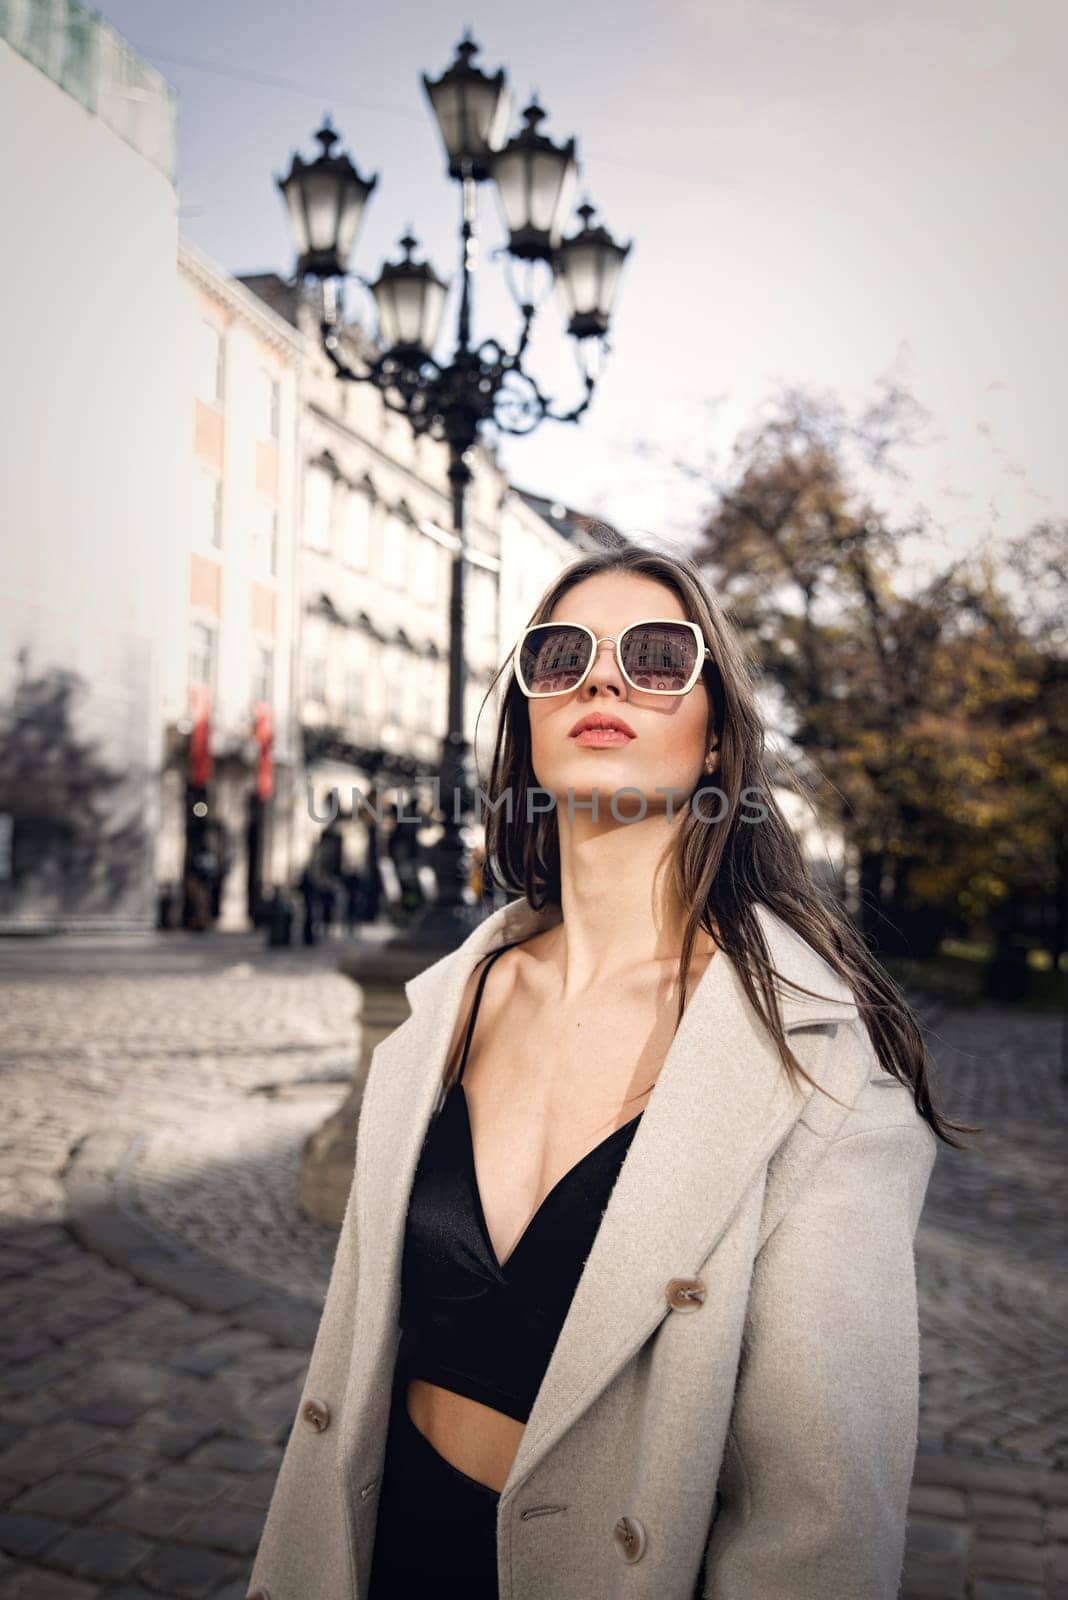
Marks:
<point>720,1106</point>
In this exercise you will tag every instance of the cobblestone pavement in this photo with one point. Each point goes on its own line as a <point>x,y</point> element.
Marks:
<point>143,1413</point>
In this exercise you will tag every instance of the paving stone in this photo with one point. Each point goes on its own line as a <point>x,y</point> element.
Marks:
<point>39,1584</point>
<point>984,1504</point>
<point>25,1410</point>
<point>71,1495</point>
<point>145,1511</point>
<point>234,1455</point>
<point>253,1489</point>
<point>12,1351</point>
<point>104,1554</point>
<point>30,1376</point>
<point>25,1536</point>
<point>187,1574</point>
<point>1009,1530</point>
<point>1021,1563</point>
<point>46,1450</point>
<point>175,1440</point>
<point>211,1355</point>
<point>933,1538</point>
<point>225,1527</point>
<point>931,1501</point>
<point>933,1583</point>
<point>199,1485</point>
<point>112,1411</point>
<point>1007,1591</point>
<point>118,1462</point>
<point>238,1590</point>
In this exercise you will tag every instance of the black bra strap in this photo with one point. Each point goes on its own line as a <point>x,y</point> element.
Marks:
<point>478,999</point>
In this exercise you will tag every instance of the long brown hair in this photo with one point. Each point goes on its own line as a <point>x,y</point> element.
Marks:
<point>719,872</point>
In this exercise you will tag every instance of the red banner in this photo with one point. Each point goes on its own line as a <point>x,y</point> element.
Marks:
<point>264,733</point>
<point>200,737</point>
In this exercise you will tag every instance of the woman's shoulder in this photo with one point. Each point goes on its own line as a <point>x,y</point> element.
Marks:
<point>509,966</point>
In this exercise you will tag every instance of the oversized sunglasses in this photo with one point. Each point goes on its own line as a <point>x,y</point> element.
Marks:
<point>655,656</point>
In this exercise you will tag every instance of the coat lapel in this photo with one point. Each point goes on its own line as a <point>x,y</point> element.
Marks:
<point>720,1106</point>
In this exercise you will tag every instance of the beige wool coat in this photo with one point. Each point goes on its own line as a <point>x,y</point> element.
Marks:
<point>730,1411</point>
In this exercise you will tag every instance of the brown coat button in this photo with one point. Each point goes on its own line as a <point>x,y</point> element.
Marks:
<point>685,1294</point>
<point>316,1413</point>
<point>630,1538</point>
<point>257,1594</point>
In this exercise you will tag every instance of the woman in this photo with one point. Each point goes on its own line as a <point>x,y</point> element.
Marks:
<point>624,1299</point>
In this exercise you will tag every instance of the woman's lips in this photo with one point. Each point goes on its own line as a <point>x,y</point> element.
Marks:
<point>597,737</point>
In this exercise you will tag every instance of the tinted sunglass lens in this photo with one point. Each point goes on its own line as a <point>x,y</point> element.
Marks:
<point>660,656</point>
<point>553,658</point>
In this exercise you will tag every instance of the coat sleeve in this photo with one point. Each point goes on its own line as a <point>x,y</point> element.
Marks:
<point>813,1490</point>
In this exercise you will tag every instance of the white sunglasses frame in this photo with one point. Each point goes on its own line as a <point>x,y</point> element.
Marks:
<point>704,653</point>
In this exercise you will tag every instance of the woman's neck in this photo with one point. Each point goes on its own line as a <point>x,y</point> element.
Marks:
<point>620,909</point>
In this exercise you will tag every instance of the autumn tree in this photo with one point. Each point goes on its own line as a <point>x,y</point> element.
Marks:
<point>923,713</point>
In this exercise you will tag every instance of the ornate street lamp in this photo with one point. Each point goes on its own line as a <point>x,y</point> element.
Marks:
<point>325,198</point>
<point>476,386</point>
<point>588,267</point>
<point>411,299</point>
<point>472,112</point>
<point>536,181</point>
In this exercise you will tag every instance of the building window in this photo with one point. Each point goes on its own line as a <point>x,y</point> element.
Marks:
<point>262,674</point>
<point>208,359</point>
<point>318,501</point>
<point>394,688</point>
<point>395,553</point>
<point>356,688</point>
<point>358,529</point>
<point>207,509</point>
<point>428,697</point>
<point>315,675</point>
<point>265,539</point>
<point>268,401</point>
<point>427,568</point>
<point>202,654</point>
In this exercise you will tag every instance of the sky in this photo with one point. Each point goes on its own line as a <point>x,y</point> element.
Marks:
<point>831,194</point>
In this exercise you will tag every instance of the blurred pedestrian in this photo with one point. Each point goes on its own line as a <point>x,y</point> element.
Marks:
<point>404,853</point>
<point>309,892</point>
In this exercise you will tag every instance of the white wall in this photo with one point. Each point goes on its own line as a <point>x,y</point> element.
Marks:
<point>87,451</point>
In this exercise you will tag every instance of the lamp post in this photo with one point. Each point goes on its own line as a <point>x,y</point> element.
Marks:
<point>477,386</point>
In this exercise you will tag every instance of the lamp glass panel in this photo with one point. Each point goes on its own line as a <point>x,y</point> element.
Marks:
<point>352,204</point>
<point>472,117</point>
<point>297,222</point>
<point>433,309</point>
<point>387,313</point>
<point>409,300</point>
<point>611,268</point>
<point>552,186</point>
<point>448,109</point>
<point>579,279</point>
<point>509,171</point>
<point>401,304</point>
<point>321,209</point>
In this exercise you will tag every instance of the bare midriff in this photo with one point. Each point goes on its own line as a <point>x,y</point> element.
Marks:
<point>472,1437</point>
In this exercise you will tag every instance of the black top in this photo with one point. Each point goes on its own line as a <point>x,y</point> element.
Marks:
<point>472,1324</point>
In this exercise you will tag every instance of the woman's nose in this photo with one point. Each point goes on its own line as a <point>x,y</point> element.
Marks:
<point>604,673</point>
